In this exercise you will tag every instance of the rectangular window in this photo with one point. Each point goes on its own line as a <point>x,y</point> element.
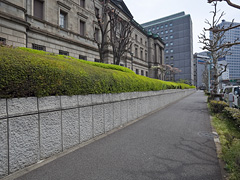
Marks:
<point>146,73</point>
<point>63,53</point>
<point>39,47</point>
<point>96,34</point>
<point>63,19</point>
<point>38,9</point>
<point>136,37</point>
<point>141,54</point>
<point>82,57</point>
<point>82,28</point>
<point>82,3</point>
<point>142,72</point>
<point>137,71</point>
<point>146,57</point>
<point>2,41</point>
<point>136,52</point>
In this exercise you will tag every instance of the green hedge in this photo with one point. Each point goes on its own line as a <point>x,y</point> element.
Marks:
<point>233,114</point>
<point>217,106</point>
<point>26,72</point>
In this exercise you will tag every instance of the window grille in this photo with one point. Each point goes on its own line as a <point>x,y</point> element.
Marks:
<point>63,53</point>
<point>39,47</point>
<point>82,57</point>
<point>2,41</point>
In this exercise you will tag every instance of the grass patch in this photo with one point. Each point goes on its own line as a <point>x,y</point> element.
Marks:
<point>229,136</point>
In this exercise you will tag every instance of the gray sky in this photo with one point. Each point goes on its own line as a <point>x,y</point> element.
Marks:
<point>148,10</point>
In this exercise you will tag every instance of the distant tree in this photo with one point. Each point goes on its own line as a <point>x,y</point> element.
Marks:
<point>166,69</point>
<point>217,46</point>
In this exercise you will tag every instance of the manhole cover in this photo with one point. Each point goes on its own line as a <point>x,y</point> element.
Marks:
<point>207,134</point>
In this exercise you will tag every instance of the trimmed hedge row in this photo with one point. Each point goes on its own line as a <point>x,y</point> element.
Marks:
<point>217,106</point>
<point>233,114</point>
<point>223,107</point>
<point>26,72</point>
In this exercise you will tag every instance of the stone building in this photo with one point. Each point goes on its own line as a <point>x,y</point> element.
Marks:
<point>67,27</point>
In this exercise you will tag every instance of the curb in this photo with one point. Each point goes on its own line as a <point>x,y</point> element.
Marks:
<point>219,151</point>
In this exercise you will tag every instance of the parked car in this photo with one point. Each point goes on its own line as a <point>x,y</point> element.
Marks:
<point>231,94</point>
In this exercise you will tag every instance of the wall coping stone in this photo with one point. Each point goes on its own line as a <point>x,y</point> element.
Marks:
<point>22,106</point>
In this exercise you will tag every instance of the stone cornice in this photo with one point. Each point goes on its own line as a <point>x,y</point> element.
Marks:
<point>15,19</point>
<point>64,5</point>
<point>14,5</point>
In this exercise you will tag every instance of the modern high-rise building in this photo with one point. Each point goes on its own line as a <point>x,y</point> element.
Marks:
<point>176,32</point>
<point>233,59</point>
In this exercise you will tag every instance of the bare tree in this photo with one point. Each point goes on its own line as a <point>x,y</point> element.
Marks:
<point>115,31</point>
<point>120,35</point>
<point>217,46</point>
<point>104,27</point>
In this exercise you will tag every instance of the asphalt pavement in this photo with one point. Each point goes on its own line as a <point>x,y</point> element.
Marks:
<point>172,144</point>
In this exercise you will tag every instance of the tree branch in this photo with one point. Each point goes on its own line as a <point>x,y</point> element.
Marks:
<point>228,2</point>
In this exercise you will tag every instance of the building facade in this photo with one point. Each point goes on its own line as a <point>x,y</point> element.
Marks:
<point>176,32</point>
<point>233,58</point>
<point>201,69</point>
<point>68,27</point>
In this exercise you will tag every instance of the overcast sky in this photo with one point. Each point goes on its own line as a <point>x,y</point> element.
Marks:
<point>148,10</point>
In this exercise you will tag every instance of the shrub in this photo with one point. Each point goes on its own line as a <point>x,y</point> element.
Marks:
<point>27,72</point>
<point>217,106</point>
<point>233,114</point>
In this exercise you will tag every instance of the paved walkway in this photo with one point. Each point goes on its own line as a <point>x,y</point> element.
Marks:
<point>171,144</point>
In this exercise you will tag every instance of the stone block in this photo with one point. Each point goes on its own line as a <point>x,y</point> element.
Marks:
<point>131,110</point>
<point>116,97</point>
<point>49,103</point>
<point>3,148</point>
<point>97,99</point>
<point>50,130</point>
<point>70,126</point>
<point>7,31</point>
<point>85,100</point>
<point>86,123</point>
<point>135,109</point>
<point>117,114</point>
<point>98,121</point>
<point>124,112</point>
<point>22,106</point>
<point>3,108</point>
<point>108,116</point>
<point>123,96</point>
<point>23,142</point>
<point>139,107</point>
<point>107,98</point>
<point>69,102</point>
<point>134,94</point>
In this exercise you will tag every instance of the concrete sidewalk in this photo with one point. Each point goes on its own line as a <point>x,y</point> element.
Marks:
<point>174,143</point>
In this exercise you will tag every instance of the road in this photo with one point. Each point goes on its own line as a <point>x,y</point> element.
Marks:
<point>173,144</point>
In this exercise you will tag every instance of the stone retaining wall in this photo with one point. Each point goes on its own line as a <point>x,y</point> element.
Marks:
<point>34,128</point>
